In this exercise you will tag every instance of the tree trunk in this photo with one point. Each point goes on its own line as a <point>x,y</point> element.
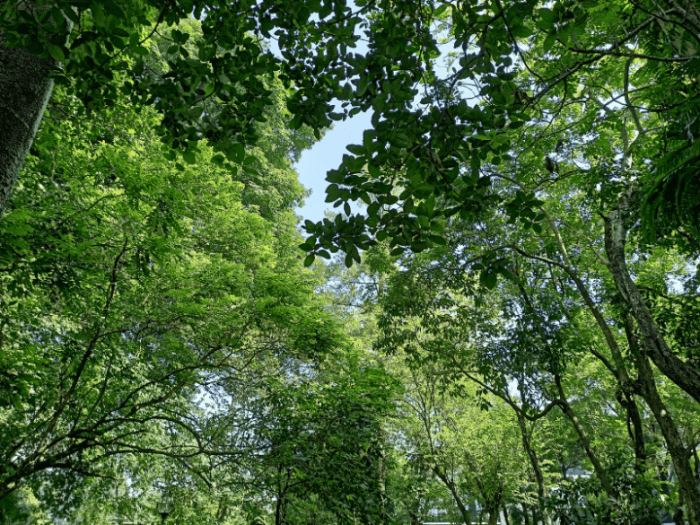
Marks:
<point>453,490</point>
<point>25,89</point>
<point>619,370</point>
<point>381,470</point>
<point>683,374</point>
<point>526,516</point>
<point>583,438</point>
<point>679,516</point>
<point>493,516</point>
<point>676,448</point>
<point>535,463</point>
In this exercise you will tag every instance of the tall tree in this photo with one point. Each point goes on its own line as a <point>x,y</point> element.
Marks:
<point>129,284</point>
<point>565,111</point>
<point>101,49</point>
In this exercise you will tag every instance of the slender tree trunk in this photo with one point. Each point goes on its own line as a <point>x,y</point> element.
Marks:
<point>629,403</point>
<point>453,490</point>
<point>583,438</point>
<point>676,448</point>
<point>381,470</point>
<point>683,374</point>
<point>25,89</point>
<point>679,515</point>
<point>535,463</point>
<point>526,515</point>
<point>493,517</point>
<point>619,370</point>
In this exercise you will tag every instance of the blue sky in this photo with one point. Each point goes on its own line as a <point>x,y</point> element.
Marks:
<point>324,156</point>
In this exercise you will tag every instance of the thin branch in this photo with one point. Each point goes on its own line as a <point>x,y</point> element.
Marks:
<point>604,52</point>
<point>635,117</point>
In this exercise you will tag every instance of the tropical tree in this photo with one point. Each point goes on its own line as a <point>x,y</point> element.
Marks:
<point>558,114</point>
<point>130,283</point>
<point>100,50</point>
<point>318,452</point>
<point>537,159</point>
<point>470,443</point>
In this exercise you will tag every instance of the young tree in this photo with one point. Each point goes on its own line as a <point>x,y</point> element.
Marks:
<point>470,443</point>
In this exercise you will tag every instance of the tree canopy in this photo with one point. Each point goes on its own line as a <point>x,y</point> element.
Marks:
<point>506,330</point>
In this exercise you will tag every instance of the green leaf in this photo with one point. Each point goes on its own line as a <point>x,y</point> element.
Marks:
<point>58,53</point>
<point>440,10</point>
<point>488,279</point>
<point>549,42</point>
<point>355,149</point>
<point>521,31</point>
<point>236,152</point>
<point>546,19</point>
<point>362,85</point>
<point>438,239</point>
<point>17,402</point>
<point>113,9</point>
<point>98,14</point>
<point>189,157</point>
<point>309,260</point>
<point>295,123</point>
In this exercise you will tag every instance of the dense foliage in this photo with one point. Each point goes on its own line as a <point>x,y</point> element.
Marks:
<point>507,332</point>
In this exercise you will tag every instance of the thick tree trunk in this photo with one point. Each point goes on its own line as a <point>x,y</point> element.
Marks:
<point>25,88</point>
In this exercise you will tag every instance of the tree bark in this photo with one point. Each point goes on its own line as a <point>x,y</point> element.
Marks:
<point>25,89</point>
<point>453,490</point>
<point>535,463</point>
<point>583,438</point>
<point>676,448</point>
<point>684,375</point>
